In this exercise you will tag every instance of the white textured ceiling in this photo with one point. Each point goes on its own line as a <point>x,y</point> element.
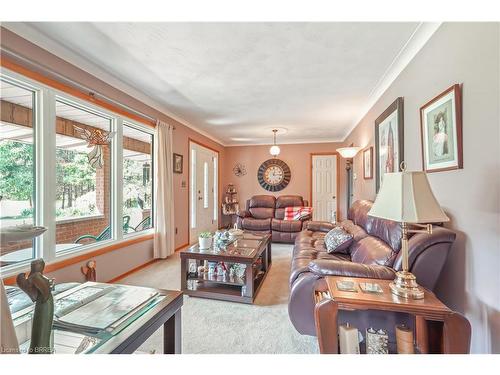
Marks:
<point>237,81</point>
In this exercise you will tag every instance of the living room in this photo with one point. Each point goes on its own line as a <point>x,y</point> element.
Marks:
<point>282,188</point>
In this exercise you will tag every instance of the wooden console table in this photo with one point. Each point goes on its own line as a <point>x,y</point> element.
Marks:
<point>437,328</point>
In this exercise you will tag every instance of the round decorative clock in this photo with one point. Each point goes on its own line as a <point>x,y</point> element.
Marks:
<point>274,175</point>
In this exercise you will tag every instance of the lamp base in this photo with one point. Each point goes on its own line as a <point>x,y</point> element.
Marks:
<point>405,285</point>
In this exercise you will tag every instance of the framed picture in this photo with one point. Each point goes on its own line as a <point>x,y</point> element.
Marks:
<point>441,128</point>
<point>178,163</point>
<point>389,141</point>
<point>368,163</point>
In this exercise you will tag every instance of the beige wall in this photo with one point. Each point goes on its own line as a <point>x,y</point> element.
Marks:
<point>296,156</point>
<point>468,54</point>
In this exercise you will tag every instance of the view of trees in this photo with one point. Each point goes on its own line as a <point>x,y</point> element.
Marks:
<point>136,184</point>
<point>16,171</point>
<point>75,181</point>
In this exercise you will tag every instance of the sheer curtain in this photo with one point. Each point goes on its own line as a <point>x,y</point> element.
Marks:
<point>164,191</point>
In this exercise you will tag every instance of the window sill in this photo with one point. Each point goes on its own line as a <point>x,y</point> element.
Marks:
<point>65,260</point>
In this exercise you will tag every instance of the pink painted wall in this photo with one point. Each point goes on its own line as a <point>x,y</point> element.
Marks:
<point>297,157</point>
<point>466,53</point>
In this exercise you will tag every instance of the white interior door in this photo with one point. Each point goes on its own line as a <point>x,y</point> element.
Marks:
<point>203,191</point>
<point>324,187</point>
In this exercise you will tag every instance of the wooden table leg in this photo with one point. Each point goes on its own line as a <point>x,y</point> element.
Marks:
<point>184,274</point>
<point>325,317</point>
<point>249,281</point>
<point>421,334</point>
<point>456,334</point>
<point>172,339</point>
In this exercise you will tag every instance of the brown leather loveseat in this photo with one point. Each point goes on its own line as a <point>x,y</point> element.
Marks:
<point>374,253</point>
<point>265,214</point>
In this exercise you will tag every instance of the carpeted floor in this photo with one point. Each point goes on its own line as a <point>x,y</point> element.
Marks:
<point>210,326</point>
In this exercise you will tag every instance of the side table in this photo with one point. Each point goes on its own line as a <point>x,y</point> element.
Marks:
<point>437,328</point>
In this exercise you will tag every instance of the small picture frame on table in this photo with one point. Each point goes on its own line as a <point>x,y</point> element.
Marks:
<point>178,163</point>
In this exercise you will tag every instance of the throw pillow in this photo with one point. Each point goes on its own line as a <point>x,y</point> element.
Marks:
<point>338,240</point>
<point>297,213</point>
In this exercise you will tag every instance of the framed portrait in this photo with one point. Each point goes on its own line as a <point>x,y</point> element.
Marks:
<point>441,130</point>
<point>178,163</point>
<point>368,163</point>
<point>389,141</point>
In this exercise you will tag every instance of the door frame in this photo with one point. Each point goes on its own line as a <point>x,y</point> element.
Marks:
<point>337,177</point>
<point>191,140</point>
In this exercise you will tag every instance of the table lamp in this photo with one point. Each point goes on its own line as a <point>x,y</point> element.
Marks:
<point>407,198</point>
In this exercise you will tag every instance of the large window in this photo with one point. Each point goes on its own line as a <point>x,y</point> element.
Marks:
<point>137,179</point>
<point>83,170</point>
<point>92,170</point>
<point>17,166</point>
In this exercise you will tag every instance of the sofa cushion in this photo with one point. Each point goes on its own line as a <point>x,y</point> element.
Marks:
<point>289,200</point>
<point>372,250</point>
<point>286,225</point>
<point>286,201</point>
<point>338,241</point>
<point>261,206</point>
<point>388,231</point>
<point>357,232</point>
<point>358,213</point>
<point>256,224</point>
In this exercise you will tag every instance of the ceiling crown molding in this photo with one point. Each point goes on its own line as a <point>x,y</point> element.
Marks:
<point>41,40</point>
<point>417,40</point>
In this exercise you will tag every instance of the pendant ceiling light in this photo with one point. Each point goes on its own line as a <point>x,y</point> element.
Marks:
<point>348,152</point>
<point>275,149</point>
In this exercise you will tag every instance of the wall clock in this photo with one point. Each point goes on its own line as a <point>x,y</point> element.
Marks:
<point>274,175</point>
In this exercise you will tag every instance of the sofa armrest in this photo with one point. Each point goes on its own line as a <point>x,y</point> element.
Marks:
<point>319,226</point>
<point>325,267</point>
<point>420,242</point>
<point>243,214</point>
<point>306,218</point>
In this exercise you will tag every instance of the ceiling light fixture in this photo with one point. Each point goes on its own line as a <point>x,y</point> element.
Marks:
<point>348,152</point>
<point>275,149</point>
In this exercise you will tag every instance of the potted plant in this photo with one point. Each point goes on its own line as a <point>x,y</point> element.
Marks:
<point>205,240</point>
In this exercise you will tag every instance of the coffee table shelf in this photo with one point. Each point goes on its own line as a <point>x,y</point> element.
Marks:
<point>253,250</point>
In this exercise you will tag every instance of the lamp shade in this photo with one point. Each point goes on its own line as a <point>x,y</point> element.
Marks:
<point>348,152</point>
<point>407,197</point>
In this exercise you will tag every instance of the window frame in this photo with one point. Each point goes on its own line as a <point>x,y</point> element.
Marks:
<point>134,125</point>
<point>44,128</point>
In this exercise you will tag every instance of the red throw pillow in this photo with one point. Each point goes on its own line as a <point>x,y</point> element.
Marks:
<point>297,213</point>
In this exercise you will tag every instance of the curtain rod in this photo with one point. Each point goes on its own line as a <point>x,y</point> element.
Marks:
<point>73,83</point>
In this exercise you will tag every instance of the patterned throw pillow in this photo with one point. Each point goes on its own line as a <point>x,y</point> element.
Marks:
<point>338,240</point>
<point>297,213</point>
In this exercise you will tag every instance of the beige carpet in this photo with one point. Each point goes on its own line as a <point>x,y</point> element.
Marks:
<point>210,326</point>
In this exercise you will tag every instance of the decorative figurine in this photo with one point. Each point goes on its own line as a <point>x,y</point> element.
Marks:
<point>39,289</point>
<point>89,271</point>
<point>96,138</point>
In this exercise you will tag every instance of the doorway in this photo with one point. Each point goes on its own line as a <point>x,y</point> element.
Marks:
<point>324,186</point>
<point>203,190</point>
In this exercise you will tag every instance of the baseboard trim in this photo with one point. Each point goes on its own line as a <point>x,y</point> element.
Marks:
<point>133,270</point>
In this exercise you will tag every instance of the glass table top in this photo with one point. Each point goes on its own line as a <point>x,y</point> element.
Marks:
<point>74,331</point>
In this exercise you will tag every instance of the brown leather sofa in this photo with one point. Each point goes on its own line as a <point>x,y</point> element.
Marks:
<point>374,252</point>
<point>265,214</point>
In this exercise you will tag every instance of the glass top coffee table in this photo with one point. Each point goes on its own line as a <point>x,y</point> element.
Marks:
<point>232,273</point>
